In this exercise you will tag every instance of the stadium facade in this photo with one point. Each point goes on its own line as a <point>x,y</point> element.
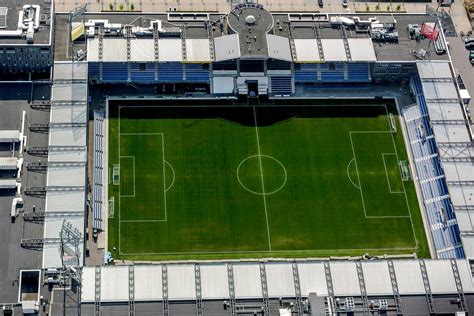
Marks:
<point>253,53</point>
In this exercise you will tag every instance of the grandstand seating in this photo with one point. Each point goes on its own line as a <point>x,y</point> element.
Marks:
<point>196,73</point>
<point>97,186</point>
<point>115,72</point>
<point>142,72</point>
<point>274,64</point>
<point>281,85</point>
<point>358,72</point>
<point>94,71</point>
<point>437,203</point>
<point>332,75</point>
<point>306,73</point>
<point>170,72</point>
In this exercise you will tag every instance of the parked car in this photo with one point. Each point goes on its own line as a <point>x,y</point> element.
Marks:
<point>344,3</point>
<point>468,40</point>
<point>320,3</point>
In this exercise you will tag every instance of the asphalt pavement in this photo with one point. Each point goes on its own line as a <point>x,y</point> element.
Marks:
<point>461,63</point>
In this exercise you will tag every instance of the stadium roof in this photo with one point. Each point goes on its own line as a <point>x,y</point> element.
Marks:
<point>334,49</point>
<point>306,50</point>
<point>142,49</point>
<point>227,47</point>
<point>280,282</point>
<point>278,47</point>
<point>66,183</point>
<point>198,50</point>
<point>454,138</point>
<point>362,49</point>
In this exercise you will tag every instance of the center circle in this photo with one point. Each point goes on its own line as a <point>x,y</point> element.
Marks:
<point>261,174</point>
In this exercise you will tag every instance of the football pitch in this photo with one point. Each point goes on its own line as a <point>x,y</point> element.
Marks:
<point>209,182</point>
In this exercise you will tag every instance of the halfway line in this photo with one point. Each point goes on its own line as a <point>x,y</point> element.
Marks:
<point>263,182</point>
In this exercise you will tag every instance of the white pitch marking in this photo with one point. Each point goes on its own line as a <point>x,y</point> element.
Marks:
<point>386,173</point>
<point>350,179</point>
<point>263,182</point>
<point>130,195</point>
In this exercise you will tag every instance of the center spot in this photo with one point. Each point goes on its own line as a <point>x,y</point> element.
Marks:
<point>261,174</point>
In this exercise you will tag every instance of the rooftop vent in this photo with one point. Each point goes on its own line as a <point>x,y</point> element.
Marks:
<point>250,19</point>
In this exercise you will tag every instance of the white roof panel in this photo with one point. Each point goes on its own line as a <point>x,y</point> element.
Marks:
<point>312,278</point>
<point>462,194</point>
<point>170,49</point>
<point>53,225</point>
<point>434,69</point>
<point>69,114</point>
<point>344,279</point>
<point>114,283</point>
<point>377,278</point>
<point>465,274</point>
<point>451,133</point>
<point>468,245</point>
<point>68,70</point>
<point>465,220</point>
<point>214,282</point>
<point>227,47</point>
<point>8,162</point>
<point>362,49</point>
<point>67,136</point>
<point>51,255</point>
<point>439,90</point>
<point>458,171</point>
<point>148,282</point>
<point>306,50</point>
<point>66,176</point>
<point>278,47</point>
<point>334,50</point>
<point>9,136</point>
<point>409,277</point>
<point>75,156</point>
<point>280,281</point>
<point>181,285</point>
<point>65,201</point>
<point>247,280</point>
<point>440,275</point>
<point>93,49</point>
<point>88,284</point>
<point>198,50</point>
<point>69,92</point>
<point>142,49</point>
<point>445,111</point>
<point>114,49</point>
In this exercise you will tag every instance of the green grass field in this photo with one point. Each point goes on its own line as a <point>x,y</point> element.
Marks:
<point>244,181</point>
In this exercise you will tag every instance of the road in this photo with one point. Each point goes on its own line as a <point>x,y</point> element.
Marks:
<point>459,56</point>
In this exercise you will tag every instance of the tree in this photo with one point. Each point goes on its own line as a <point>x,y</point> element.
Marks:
<point>111,7</point>
<point>132,7</point>
<point>399,7</point>
<point>121,7</point>
<point>367,8</point>
<point>377,7</point>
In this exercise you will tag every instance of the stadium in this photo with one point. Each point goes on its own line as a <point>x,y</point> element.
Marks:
<point>251,161</point>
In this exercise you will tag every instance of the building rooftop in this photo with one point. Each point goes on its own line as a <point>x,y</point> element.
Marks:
<point>25,22</point>
<point>290,36</point>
